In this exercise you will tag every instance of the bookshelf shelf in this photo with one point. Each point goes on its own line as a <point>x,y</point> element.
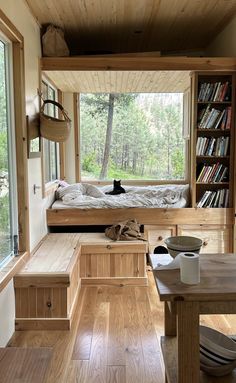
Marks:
<point>215,102</point>
<point>213,183</point>
<point>212,157</point>
<point>212,131</point>
<point>213,139</point>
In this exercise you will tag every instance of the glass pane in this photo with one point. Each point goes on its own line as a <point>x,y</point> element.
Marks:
<point>6,243</point>
<point>46,162</point>
<point>132,136</point>
<point>50,148</point>
<point>51,107</point>
<point>53,160</point>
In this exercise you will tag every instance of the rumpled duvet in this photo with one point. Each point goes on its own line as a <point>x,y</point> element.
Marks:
<point>86,196</point>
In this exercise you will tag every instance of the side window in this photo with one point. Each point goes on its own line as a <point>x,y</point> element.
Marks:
<point>50,148</point>
<point>8,204</point>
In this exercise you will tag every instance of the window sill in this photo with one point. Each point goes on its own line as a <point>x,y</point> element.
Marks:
<point>12,268</point>
<point>139,182</point>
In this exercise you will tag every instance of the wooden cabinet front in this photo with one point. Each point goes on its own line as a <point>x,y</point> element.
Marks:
<point>216,238</point>
<point>156,235</point>
<point>113,262</point>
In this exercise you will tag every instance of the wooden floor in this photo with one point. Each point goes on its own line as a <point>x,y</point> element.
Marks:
<point>114,337</point>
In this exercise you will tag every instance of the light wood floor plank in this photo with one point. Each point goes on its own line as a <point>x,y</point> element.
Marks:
<point>98,355</point>
<point>18,365</point>
<point>116,334</point>
<point>154,372</point>
<point>115,374</point>
<point>134,356</point>
<point>84,335</point>
<point>77,371</point>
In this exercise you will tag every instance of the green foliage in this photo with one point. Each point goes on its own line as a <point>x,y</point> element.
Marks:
<point>3,151</point>
<point>89,164</point>
<point>5,243</point>
<point>146,140</point>
<point>5,240</point>
<point>5,214</point>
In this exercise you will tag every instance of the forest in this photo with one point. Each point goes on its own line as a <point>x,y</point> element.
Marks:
<point>132,136</point>
<point>5,242</point>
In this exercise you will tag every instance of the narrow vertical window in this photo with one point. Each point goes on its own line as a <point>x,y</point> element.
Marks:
<point>8,208</point>
<point>50,148</point>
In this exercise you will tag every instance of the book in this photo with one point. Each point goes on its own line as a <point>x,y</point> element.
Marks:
<point>226,146</point>
<point>216,201</point>
<point>220,117</point>
<point>211,199</point>
<point>204,198</point>
<point>228,120</point>
<point>224,91</point>
<point>226,199</point>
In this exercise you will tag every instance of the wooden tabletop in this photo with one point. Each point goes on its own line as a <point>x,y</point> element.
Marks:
<point>218,281</point>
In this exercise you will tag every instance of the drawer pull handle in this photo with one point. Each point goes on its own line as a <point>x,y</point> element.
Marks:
<point>205,243</point>
<point>109,247</point>
<point>49,304</point>
<point>160,238</point>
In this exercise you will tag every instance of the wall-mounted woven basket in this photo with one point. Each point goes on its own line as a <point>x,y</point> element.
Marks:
<point>53,128</point>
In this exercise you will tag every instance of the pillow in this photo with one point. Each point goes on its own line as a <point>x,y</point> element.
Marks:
<point>92,191</point>
<point>61,191</point>
<point>63,183</point>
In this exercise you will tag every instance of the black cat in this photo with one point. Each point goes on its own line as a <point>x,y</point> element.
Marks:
<point>117,188</point>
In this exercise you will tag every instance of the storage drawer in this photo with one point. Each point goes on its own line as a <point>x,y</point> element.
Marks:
<point>216,238</point>
<point>156,234</point>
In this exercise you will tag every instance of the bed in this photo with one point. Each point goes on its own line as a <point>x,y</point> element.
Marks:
<point>88,196</point>
<point>165,205</point>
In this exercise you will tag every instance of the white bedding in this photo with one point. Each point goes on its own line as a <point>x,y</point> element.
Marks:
<point>86,196</point>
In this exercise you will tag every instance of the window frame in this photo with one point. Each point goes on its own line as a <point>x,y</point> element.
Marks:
<point>17,40</point>
<point>11,148</point>
<point>49,187</point>
<point>78,162</point>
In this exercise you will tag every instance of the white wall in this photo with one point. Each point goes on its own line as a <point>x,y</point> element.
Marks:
<point>7,313</point>
<point>225,42</point>
<point>19,14</point>
<point>70,143</point>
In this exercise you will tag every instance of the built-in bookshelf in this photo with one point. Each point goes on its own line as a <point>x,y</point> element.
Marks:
<point>213,139</point>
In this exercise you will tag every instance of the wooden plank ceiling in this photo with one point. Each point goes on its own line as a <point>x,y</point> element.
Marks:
<point>116,26</point>
<point>120,81</point>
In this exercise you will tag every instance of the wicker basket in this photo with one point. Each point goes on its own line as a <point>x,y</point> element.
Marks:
<point>53,128</point>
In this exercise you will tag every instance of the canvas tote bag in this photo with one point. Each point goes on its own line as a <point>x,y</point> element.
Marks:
<point>53,42</point>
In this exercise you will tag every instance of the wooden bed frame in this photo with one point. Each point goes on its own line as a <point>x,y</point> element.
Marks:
<point>145,216</point>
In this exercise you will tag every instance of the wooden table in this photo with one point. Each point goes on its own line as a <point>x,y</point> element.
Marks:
<point>216,294</point>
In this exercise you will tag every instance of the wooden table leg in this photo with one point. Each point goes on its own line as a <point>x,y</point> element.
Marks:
<point>170,319</point>
<point>188,342</point>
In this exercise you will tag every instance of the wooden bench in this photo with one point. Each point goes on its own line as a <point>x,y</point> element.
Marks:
<point>47,288</point>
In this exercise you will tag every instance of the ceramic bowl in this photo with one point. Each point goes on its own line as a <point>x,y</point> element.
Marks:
<point>180,244</point>
<point>218,370</point>
<point>218,343</point>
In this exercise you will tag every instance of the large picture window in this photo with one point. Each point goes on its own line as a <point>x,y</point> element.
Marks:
<point>8,204</point>
<point>50,148</point>
<point>132,136</point>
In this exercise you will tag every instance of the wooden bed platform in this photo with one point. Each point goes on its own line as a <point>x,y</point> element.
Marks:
<point>152,216</point>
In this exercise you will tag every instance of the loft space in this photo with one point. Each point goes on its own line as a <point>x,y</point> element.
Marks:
<point>107,27</point>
